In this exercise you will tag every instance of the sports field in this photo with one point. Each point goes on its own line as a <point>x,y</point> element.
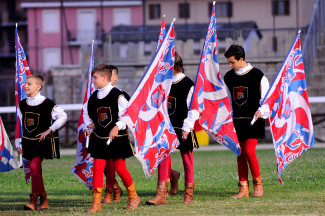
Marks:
<point>303,192</point>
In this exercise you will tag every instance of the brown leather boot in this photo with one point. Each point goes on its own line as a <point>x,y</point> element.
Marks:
<point>174,176</point>
<point>168,181</point>
<point>108,197</point>
<point>96,205</point>
<point>160,198</point>
<point>243,189</point>
<point>258,188</point>
<point>32,202</point>
<point>134,200</point>
<point>188,195</point>
<point>43,204</point>
<point>117,192</point>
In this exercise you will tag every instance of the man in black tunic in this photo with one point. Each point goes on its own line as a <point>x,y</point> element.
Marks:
<point>247,86</point>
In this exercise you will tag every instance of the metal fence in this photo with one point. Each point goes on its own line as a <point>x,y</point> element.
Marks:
<point>313,38</point>
<point>268,44</point>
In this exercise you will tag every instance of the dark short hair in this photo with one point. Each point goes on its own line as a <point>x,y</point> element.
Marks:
<point>113,67</point>
<point>235,50</point>
<point>103,69</point>
<point>178,66</point>
<point>39,79</point>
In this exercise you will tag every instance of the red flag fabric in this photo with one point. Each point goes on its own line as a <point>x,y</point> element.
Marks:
<point>210,98</point>
<point>83,169</point>
<point>147,116</point>
<point>290,120</point>
<point>22,71</point>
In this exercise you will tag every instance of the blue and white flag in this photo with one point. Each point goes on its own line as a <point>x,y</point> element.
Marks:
<point>8,156</point>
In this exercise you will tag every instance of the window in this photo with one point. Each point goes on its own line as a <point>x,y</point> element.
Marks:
<point>122,16</point>
<point>184,10</point>
<point>280,7</point>
<point>223,9</point>
<point>52,57</point>
<point>51,21</point>
<point>86,25</point>
<point>154,11</point>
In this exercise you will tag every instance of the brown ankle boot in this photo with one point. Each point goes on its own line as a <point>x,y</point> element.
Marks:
<point>108,197</point>
<point>44,204</point>
<point>174,176</point>
<point>188,195</point>
<point>168,181</point>
<point>160,198</point>
<point>32,202</point>
<point>243,189</point>
<point>96,205</point>
<point>258,188</point>
<point>134,200</point>
<point>117,192</point>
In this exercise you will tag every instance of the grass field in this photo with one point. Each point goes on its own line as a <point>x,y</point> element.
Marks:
<point>303,192</point>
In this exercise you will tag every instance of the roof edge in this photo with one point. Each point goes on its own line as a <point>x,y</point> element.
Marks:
<point>79,4</point>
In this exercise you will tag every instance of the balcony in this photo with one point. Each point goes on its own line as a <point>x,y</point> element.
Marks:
<point>79,37</point>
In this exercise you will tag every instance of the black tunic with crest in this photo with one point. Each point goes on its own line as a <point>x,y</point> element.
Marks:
<point>245,94</point>
<point>104,114</point>
<point>177,110</point>
<point>36,120</point>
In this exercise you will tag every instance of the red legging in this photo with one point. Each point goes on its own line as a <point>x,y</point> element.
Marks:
<point>120,166</point>
<point>188,164</point>
<point>248,155</point>
<point>110,173</point>
<point>165,166</point>
<point>36,175</point>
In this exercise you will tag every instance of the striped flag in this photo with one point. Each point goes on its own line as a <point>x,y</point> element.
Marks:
<point>22,71</point>
<point>290,121</point>
<point>83,169</point>
<point>147,115</point>
<point>210,98</point>
<point>8,157</point>
<point>162,33</point>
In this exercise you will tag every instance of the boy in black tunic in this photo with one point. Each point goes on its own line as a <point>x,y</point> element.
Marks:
<point>113,191</point>
<point>247,86</point>
<point>40,137</point>
<point>109,138</point>
<point>183,122</point>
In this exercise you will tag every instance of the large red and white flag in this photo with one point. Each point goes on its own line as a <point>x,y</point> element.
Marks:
<point>290,121</point>
<point>83,169</point>
<point>22,71</point>
<point>210,98</point>
<point>147,116</point>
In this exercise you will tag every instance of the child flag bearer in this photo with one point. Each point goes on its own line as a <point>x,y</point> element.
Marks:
<point>101,113</point>
<point>113,191</point>
<point>40,137</point>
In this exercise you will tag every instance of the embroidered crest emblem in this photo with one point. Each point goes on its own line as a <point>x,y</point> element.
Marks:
<point>31,121</point>
<point>104,116</point>
<point>240,95</point>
